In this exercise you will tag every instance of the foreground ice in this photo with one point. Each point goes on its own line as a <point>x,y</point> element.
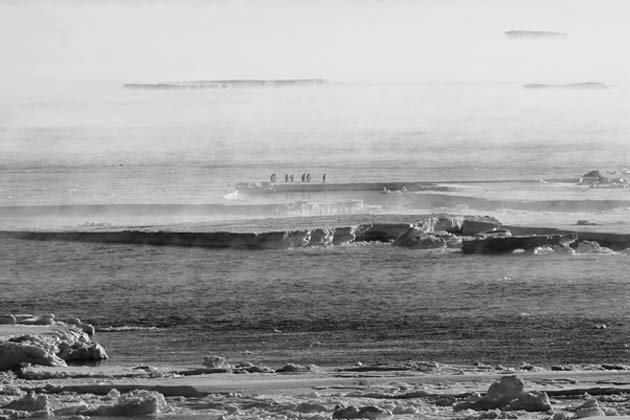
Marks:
<point>472,394</point>
<point>222,389</point>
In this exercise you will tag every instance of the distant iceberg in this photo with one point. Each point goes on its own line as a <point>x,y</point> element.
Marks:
<point>221,84</point>
<point>535,34</point>
<point>582,85</point>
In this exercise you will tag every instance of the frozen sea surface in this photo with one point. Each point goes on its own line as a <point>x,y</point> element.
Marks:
<point>141,158</point>
<point>328,305</point>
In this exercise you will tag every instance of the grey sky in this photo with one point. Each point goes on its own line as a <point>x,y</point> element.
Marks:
<point>69,43</point>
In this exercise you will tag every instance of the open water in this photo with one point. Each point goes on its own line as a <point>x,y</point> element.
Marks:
<point>109,158</point>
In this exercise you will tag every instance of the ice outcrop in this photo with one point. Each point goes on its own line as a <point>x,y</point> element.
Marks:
<point>47,319</point>
<point>219,364</point>
<point>599,178</point>
<point>344,235</point>
<point>30,402</point>
<point>443,231</point>
<point>53,348</point>
<point>87,328</point>
<point>474,225</point>
<point>28,349</point>
<point>417,238</point>
<point>72,410</point>
<point>29,406</point>
<point>322,237</point>
<point>591,247</point>
<point>368,412</point>
<point>497,245</point>
<point>447,224</point>
<point>292,239</point>
<point>507,394</point>
<point>589,408</point>
<point>27,319</point>
<point>132,404</point>
<point>214,361</point>
<point>282,239</point>
<point>382,232</point>
<point>294,368</point>
<point>502,392</point>
<point>250,367</point>
<point>530,401</point>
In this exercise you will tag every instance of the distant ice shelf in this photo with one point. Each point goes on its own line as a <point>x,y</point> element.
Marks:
<point>520,34</point>
<point>222,84</point>
<point>581,85</point>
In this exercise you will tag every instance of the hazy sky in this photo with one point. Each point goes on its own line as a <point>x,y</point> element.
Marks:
<point>76,42</point>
